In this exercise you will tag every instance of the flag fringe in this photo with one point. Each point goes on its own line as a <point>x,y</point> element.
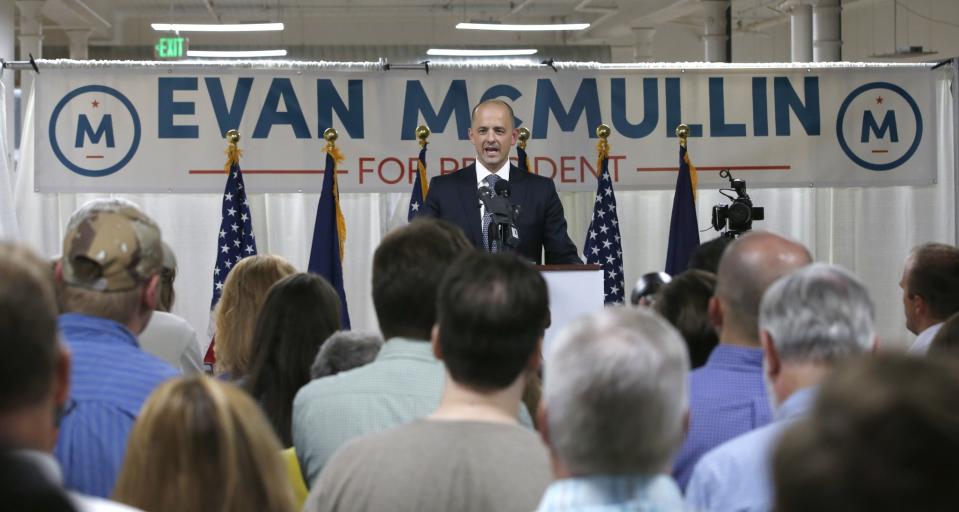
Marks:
<point>233,155</point>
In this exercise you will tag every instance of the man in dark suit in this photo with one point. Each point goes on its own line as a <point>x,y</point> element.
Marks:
<point>453,197</point>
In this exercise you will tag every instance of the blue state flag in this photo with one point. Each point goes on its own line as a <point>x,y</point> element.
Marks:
<point>683,226</point>
<point>329,235</point>
<point>420,185</point>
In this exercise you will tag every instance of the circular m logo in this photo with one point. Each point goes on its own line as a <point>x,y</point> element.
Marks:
<point>94,130</point>
<point>879,126</point>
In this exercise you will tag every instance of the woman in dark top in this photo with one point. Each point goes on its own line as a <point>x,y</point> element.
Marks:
<point>301,311</point>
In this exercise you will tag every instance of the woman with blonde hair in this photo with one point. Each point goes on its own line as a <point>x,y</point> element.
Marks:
<point>235,318</point>
<point>203,445</point>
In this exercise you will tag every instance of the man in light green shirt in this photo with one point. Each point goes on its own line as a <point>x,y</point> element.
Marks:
<point>405,381</point>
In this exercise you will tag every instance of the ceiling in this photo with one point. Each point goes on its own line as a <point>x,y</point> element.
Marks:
<point>121,28</point>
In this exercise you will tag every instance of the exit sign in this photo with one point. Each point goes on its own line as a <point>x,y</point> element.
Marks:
<point>171,48</point>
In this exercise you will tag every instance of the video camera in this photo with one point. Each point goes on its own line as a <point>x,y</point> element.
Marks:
<point>736,218</point>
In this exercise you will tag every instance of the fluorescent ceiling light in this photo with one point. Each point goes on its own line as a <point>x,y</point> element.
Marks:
<point>522,28</point>
<point>226,27</point>
<point>479,53</point>
<point>236,54</point>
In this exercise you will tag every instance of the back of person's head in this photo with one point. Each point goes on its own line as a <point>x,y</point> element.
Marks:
<point>26,485</point>
<point>684,301</point>
<point>198,445</point>
<point>615,393</point>
<point>883,436</point>
<point>706,256</point>
<point>748,266</point>
<point>407,268</point>
<point>946,341</point>
<point>165,293</point>
<point>28,335</point>
<point>243,295</point>
<point>934,276</point>
<point>112,254</point>
<point>647,287</point>
<point>345,350</point>
<point>818,314</point>
<point>492,312</point>
<point>300,312</point>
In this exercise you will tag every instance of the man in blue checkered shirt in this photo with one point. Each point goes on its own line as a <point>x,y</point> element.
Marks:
<point>727,396</point>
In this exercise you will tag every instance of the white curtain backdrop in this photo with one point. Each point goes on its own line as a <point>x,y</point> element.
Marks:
<point>868,230</point>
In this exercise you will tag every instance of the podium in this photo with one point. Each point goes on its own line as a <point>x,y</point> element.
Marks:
<point>574,290</point>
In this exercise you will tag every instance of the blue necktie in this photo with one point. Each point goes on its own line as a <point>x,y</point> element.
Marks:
<point>490,182</point>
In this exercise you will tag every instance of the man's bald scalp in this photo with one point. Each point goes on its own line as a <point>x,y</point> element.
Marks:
<point>748,267</point>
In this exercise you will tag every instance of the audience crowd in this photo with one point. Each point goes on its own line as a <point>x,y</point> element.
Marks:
<point>754,381</point>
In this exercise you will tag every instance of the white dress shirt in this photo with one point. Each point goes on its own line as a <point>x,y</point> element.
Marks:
<point>924,339</point>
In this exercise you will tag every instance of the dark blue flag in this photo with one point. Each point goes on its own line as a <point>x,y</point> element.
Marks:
<point>522,161</point>
<point>329,235</point>
<point>603,243</point>
<point>683,226</point>
<point>420,185</point>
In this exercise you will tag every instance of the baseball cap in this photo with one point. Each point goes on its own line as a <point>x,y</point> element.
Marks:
<point>112,251</point>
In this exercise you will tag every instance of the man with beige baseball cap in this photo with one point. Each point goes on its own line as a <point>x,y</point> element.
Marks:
<point>112,256</point>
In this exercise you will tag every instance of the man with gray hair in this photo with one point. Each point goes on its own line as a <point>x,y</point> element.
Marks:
<point>726,395</point>
<point>614,405</point>
<point>109,273</point>
<point>809,321</point>
<point>345,350</point>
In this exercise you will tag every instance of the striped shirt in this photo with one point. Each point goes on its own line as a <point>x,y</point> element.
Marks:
<point>109,382</point>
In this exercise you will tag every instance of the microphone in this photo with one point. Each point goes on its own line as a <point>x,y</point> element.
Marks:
<point>502,188</point>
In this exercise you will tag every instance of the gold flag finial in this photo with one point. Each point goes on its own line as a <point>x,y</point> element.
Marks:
<point>422,133</point>
<point>232,151</point>
<point>330,135</point>
<point>603,131</point>
<point>682,131</point>
<point>523,137</point>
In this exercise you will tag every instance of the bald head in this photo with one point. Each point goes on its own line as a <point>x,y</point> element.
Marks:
<point>748,267</point>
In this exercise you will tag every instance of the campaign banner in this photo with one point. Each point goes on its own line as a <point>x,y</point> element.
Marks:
<point>160,128</point>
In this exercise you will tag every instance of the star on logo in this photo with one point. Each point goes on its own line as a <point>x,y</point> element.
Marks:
<point>879,100</point>
<point>96,104</point>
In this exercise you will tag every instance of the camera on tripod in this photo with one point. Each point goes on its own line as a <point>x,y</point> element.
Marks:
<point>736,218</point>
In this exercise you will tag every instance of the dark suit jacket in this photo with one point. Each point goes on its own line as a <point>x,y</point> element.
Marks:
<point>541,222</point>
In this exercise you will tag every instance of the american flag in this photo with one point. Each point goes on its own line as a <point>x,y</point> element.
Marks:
<point>603,243</point>
<point>235,240</point>
<point>420,185</point>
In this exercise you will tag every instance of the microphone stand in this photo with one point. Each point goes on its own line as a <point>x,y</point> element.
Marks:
<point>504,219</point>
